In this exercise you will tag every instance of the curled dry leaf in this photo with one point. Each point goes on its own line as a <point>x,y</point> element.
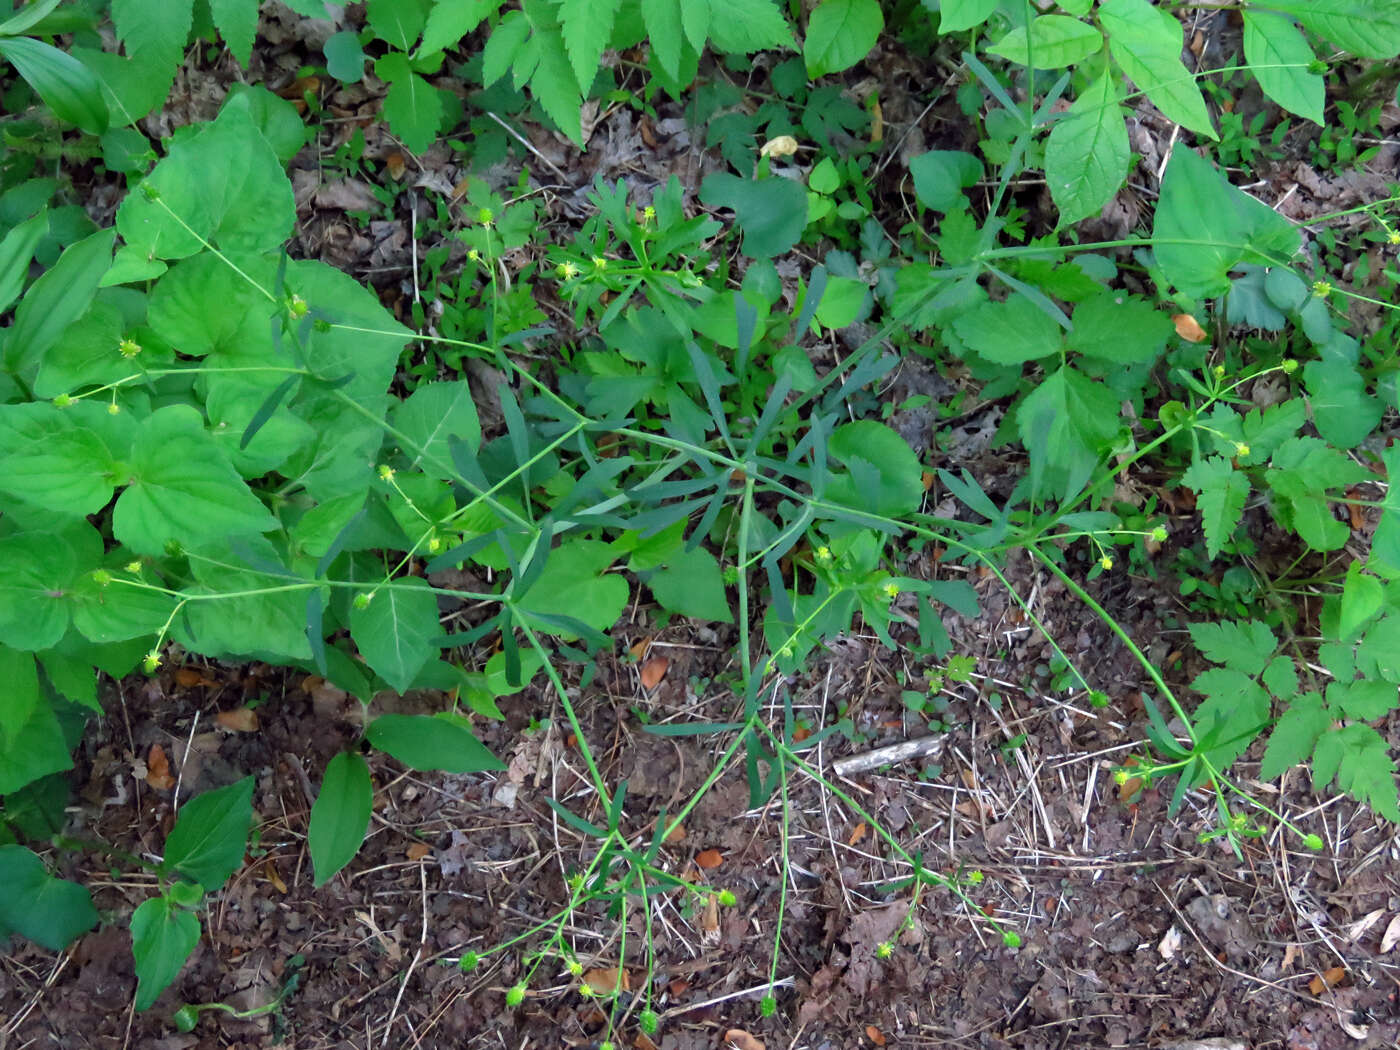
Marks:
<point>158,769</point>
<point>709,919</point>
<point>239,720</point>
<point>875,1035</point>
<point>270,871</point>
<point>1327,979</point>
<point>1189,328</point>
<point>639,649</point>
<point>782,146</point>
<point>1391,937</point>
<point>653,671</point>
<point>737,1037</point>
<point>857,834</point>
<point>605,981</point>
<point>709,858</point>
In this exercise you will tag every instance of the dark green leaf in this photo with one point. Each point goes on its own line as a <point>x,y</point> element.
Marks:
<point>340,815</point>
<point>210,835</point>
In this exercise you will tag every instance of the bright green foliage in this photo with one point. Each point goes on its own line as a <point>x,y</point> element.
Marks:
<point>1220,494</point>
<point>413,107</point>
<point>771,212</point>
<point>1049,42</point>
<point>1010,332</point>
<point>839,34</point>
<point>65,84</point>
<point>162,937</point>
<point>397,632</point>
<point>1067,423</point>
<point>49,911</point>
<point>1197,254</point>
<point>1086,155</point>
<point>1368,28</point>
<point>1279,56</point>
<point>1114,326</point>
<point>1359,760</point>
<point>425,742</point>
<point>1147,41</point>
<point>207,842</point>
<point>955,15</point>
<point>339,816</point>
<point>940,176</point>
<point>586,26</point>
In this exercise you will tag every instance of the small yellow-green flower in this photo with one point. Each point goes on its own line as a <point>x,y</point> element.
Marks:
<point>114,409</point>
<point>1241,449</point>
<point>485,216</point>
<point>1159,534</point>
<point>648,214</point>
<point>63,401</point>
<point>1322,289</point>
<point>891,590</point>
<point>151,663</point>
<point>128,348</point>
<point>1218,371</point>
<point>575,967</point>
<point>975,876</point>
<point>1394,237</point>
<point>515,995</point>
<point>884,949</point>
<point>298,306</point>
<point>132,566</point>
<point>474,255</point>
<point>727,898</point>
<point>824,554</point>
<point>567,271</point>
<point>361,601</point>
<point>386,472</point>
<point>599,263</point>
<point>1106,562</point>
<point>586,990</point>
<point>1289,366</point>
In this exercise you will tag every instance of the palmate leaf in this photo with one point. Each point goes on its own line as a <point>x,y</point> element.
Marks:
<point>1295,735</point>
<point>1244,647</point>
<point>1358,758</point>
<point>555,86</point>
<point>586,26</point>
<point>153,33</point>
<point>1066,423</point>
<point>1220,494</point>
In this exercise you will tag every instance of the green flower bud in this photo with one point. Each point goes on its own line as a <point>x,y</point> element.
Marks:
<point>727,899</point>
<point>1313,842</point>
<point>63,401</point>
<point>768,1005</point>
<point>1011,938</point>
<point>469,962</point>
<point>515,995</point>
<point>361,601</point>
<point>648,1021</point>
<point>185,1018</point>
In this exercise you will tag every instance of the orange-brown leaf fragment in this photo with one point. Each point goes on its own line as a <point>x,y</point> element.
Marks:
<point>417,850</point>
<point>857,834</point>
<point>158,769</point>
<point>189,677</point>
<point>270,870</point>
<point>737,1037</point>
<point>709,858</point>
<point>709,917</point>
<point>605,981</point>
<point>875,1035</point>
<point>653,671</point>
<point>676,834</point>
<point>395,165</point>
<point>240,720</point>
<point>1189,328</point>
<point>1327,979</point>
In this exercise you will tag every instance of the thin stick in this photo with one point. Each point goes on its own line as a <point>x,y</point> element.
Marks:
<point>761,989</point>
<point>929,745</point>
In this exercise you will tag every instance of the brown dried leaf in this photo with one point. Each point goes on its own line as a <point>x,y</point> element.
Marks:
<point>709,918</point>
<point>709,858</point>
<point>639,649</point>
<point>605,981</point>
<point>1189,328</point>
<point>653,671</point>
<point>158,769</point>
<point>676,834</point>
<point>395,165</point>
<point>1327,979</point>
<point>189,677</point>
<point>417,850</point>
<point>741,1039</point>
<point>643,1042</point>
<point>857,834</point>
<point>875,1035</point>
<point>270,871</point>
<point>239,720</point>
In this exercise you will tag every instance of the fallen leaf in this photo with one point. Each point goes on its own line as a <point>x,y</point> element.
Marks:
<point>395,165</point>
<point>1170,944</point>
<point>158,769</point>
<point>417,850</point>
<point>1358,929</point>
<point>270,870</point>
<point>709,918</point>
<point>740,1038</point>
<point>240,720</point>
<point>782,146</point>
<point>709,858</point>
<point>639,649</point>
<point>857,834</point>
<point>1354,510</point>
<point>877,120</point>
<point>1391,937</point>
<point>605,981</point>
<point>1327,979</point>
<point>1189,328</point>
<point>298,88</point>
<point>676,834</point>
<point>875,1035</point>
<point>678,986</point>
<point>800,734</point>
<point>653,671</point>
<point>643,1042</point>
<point>1131,787</point>
<point>189,677</point>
